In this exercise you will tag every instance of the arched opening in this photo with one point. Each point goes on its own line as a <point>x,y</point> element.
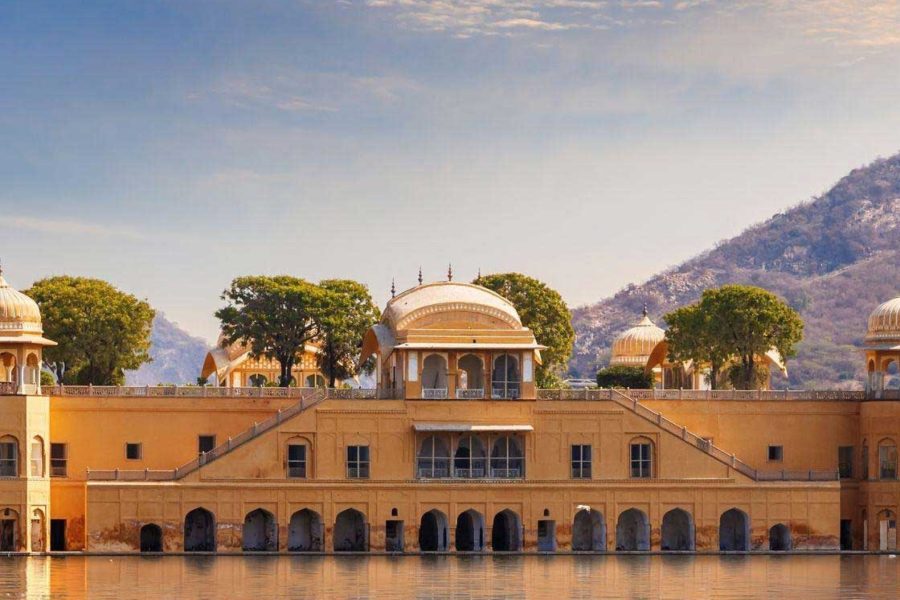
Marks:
<point>677,531</point>
<point>434,377</point>
<point>887,459</point>
<point>315,381</point>
<point>257,380</point>
<point>505,378</point>
<point>350,532</point>
<point>32,370</point>
<point>734,531</point>
<point>9,530</point>
<point>588,531</point>
<point>151,538</point>
<point>470,531</point>
<point>433,459</point>
<point>260,533</point>
<point>780,538</point>
<point>892,374</point>
<point>507,460</point>
<point>506,533</point>
<point>470,383</point>
<point>393,534</point>
<point>37,456</point>
<point>434,532</point>
<point>546,539</point>
<point>9,456</point>
<point>8,371</point>
<point>37,531</point>
<point>305,531</point>
<point>470,458</point>
<point>199,531</point>
<point>633,531</point>
<point>887,531</point>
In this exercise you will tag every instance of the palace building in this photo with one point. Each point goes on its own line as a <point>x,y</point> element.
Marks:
<point>455,449</point>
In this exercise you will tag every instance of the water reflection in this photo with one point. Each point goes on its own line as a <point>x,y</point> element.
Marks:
<point>554,577</point>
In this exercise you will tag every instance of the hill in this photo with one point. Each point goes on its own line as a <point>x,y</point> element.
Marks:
<point>833,258</point>
<point>177,356</point>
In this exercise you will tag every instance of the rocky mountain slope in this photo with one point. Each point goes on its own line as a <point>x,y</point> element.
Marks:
<point>177,356</point>
<point>833,259</point>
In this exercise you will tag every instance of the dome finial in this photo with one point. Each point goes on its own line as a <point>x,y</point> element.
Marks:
<point>393,288</point>
<point>450,272</point>
<point>644,312</point>
<point>479,273</point>
<point>420,274</point>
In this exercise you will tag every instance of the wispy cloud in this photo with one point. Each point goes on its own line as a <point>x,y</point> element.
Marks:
<point>69,227</point>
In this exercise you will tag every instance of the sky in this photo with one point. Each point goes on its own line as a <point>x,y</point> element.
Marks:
<point>168,146</point>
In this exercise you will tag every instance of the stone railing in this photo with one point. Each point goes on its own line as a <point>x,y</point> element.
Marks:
<point>8,388</point>
<point>743,395</point>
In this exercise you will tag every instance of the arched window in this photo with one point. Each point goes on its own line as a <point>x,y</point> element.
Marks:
<point>9,456</point>
<point>892,374</point>
<point>434,377</point>
<point>470,384</point>
<point>297,456</point>
<point>8,370</point>
<point>433,460</point>
<point>32,370</point>
<point>257,380</point>
<point>507,461</point>
<point>505,377</point>
<point>887,459</point>
<point>641,453</point>
<point>37,457</point>
<point>315,381</point>
<point>470,459</point>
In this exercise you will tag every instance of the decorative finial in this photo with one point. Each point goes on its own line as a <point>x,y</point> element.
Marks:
<point>393,288</point>
<point>420,275</point>
<point>479,272</point>
<point>644,312</point>
<point>450,272</point>
<point>1,267</point>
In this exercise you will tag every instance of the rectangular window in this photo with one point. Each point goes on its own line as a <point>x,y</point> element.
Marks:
<point>865,461</point>
<point>887,461</point>
<point>358,462</point>
<point>296,461</point>
<point>776,453</point>
<point>641,461</point>
<point>845,461</point>
<point>205,443</point>
<point>59,457</point>
<point>581,461</point>
<point>9,459</point>
<point>133,451</point>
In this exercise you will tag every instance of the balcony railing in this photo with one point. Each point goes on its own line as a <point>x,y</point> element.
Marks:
<point>508,393</point>
<point>9,468</point>
<point>8,388</point>
<point>470,394</point>
<point>434,393</point>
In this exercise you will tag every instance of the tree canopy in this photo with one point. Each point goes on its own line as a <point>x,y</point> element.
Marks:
<point>273,316</point>
<point>542,310</point>
<point>734,324</point>
<point>349,313</point>
<point>624,377</point>
<point>101,331</point>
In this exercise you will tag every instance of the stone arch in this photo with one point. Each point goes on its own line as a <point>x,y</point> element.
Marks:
<point>434,373</point>
<point>151,538</point>
<point>9,372</point>
<point>891,371</point>
<point>470,458</point>
<point>199,531</point>
<point>260,532</point>
<point>470,531</point>
<point>588,531</point>
<point>32,369</point>
<point>314,381</point>
<point>887,459</point>
<point>9,530</point>
<point>37,456</point>
<point>257,380</point>
<point>780,538</point>
<point>506,532</point>
<point>351,531</point>
<point>505,377</point>
<point>677,531</point>
<point>37,531</point>
<point>433,458</point>
<point>9,456</point>
<point>633,531</point>
<point>507,457</point>
<point>887,531</point>
<point>306,532</point>
<point>471,372</point>
<point>434,532</point>
<point>734,531</point>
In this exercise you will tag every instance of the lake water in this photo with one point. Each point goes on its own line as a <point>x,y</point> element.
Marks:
<point>557,577</point>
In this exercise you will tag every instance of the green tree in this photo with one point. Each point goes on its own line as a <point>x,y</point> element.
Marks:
<point>349,313</point>
<point>624,377</point>
<point>101,331</point>
<point>542,310</point>
<point>734,324</point>
<point>273,316</point>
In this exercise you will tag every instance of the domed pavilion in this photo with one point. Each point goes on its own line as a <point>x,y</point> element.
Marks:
<point>882,347</point>
<point>21,342</point>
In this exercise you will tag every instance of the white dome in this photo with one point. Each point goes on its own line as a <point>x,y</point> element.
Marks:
<point>884,323</point>
<point>444,296</point>
<point>633,346</point>
<point>18,312</point>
